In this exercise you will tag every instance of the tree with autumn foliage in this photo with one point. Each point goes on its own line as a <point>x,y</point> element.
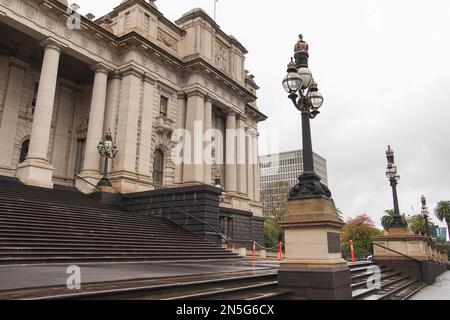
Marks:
<point>359,229</point>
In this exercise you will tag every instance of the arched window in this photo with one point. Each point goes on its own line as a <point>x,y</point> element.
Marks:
<point>158,167</point>
<point>24,150</point>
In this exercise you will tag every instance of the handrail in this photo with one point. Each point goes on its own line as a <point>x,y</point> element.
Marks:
<point>197,219</point>
<point>419,262</point>
<point>88,182</point>
<point>402,254</point>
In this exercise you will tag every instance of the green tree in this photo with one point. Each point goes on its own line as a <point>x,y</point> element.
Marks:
<point>418,224</point>
<point>360,229</point>
<point>442,212</point>
<point>387,218</point>
<point>274,201</point>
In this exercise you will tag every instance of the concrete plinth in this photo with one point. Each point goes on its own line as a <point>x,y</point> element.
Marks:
<point>35,173</point>
<point>314,268</point>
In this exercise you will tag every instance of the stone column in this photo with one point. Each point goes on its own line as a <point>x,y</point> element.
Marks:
<point>180,125</point>
<point>63,123</point>
<point>250,163</point>
<point>36,170</point>
<point>230,154</point>
<point>207,145</point>
<point>193,168</point>
<point>91,165</point>
<point>112,103</point>
<point>256,171</point>
<point>145,140</point>
<point>241,156</point>
<point>10,116</point>
<point>124,175</point>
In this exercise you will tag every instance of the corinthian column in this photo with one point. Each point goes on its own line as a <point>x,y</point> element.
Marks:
<point>230,154</point>
<point>241,156</point>
<point>208,140</point>
<point>193,168</point>
<point>36,170</point>
<point>91,163</point>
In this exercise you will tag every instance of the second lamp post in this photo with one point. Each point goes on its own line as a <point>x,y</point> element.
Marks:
<point>394,178</point>
<point>302,89</point>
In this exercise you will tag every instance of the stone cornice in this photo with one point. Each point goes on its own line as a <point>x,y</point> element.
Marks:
<point>132,70</point>
<point>255,113</point>
<point>18,63</point>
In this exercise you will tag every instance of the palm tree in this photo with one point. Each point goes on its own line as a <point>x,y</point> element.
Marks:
<point>442,212</point>
<point>387,218</point>
<point>419,225</point>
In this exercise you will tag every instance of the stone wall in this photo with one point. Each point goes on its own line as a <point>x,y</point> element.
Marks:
<point>201,202</point>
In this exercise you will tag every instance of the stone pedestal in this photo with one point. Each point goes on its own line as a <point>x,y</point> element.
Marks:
<point>314,268</point>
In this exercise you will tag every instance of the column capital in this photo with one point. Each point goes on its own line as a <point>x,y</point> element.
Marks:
<point>208,99</point>
<point>100,67</point>
<point>196,92</point>
<point>115,74</point>
<point>149,78</point>
<point>18,63</point>
<point>51,43</point>
<point>181,95</point>
<point>132,70</point>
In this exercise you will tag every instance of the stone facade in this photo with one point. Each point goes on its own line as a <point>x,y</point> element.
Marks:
<point>136,73</point>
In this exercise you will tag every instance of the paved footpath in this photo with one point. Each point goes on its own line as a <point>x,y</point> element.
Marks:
<point>440,290</point>
<point>32,276</point>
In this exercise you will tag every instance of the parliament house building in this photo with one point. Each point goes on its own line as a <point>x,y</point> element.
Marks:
<point>66,80</point>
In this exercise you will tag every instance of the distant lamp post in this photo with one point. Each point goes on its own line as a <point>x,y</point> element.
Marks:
<point>305,95</point>
<point>107,149</point>
<point>425,215</point>
<point>394,178</point>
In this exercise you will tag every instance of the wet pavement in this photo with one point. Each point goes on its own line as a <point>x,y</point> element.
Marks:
<point>34,276</point>
<point>440,290</point>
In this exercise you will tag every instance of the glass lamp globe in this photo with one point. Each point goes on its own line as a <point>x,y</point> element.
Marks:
<point>306,76</point>
<point>292,82</point>
<point>397,178</point>
<point>316,99</point>
<point>391,171</point>
<point>108,145</point>
<point>100,146</point>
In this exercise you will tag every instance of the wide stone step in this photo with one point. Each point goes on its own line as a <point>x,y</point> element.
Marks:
<point>142,229</point>
<point>13,233</point>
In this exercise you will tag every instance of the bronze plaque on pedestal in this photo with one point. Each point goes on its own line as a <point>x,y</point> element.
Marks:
<point>334,242</point>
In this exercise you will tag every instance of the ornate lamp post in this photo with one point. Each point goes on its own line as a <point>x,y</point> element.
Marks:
<point>305,95</point>
<point>310,270</point>
<point>107,149</point>
<point>394,178</point>
<point>425,215</point>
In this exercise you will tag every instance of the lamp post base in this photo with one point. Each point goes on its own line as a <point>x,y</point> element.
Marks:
<point>104,182</point>
<point>314,268</point>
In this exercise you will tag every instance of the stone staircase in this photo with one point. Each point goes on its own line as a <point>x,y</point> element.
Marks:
<point>63,225</point>
<point>394,285</point>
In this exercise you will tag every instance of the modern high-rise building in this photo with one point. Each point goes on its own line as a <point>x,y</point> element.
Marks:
<point>281,170</point>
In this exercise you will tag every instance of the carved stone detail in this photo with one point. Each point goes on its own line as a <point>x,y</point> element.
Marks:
<point>167,40</point>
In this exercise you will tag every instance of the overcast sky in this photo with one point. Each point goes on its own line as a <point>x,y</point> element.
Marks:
<point>383,68</point>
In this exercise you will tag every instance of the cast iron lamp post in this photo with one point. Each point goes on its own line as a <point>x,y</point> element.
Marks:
<point>107,149</point>
<point>305,95</point>
<point>425,215</point>
<point>394,178</point>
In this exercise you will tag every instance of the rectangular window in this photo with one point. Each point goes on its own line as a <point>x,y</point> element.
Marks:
<point>81,144</point>
<point>33,101</point>
<point>163,106</point>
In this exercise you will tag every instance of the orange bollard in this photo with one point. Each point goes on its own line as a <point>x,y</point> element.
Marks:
<point>280,251</point>
<point>352,250</point>
<point>254,249</point>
